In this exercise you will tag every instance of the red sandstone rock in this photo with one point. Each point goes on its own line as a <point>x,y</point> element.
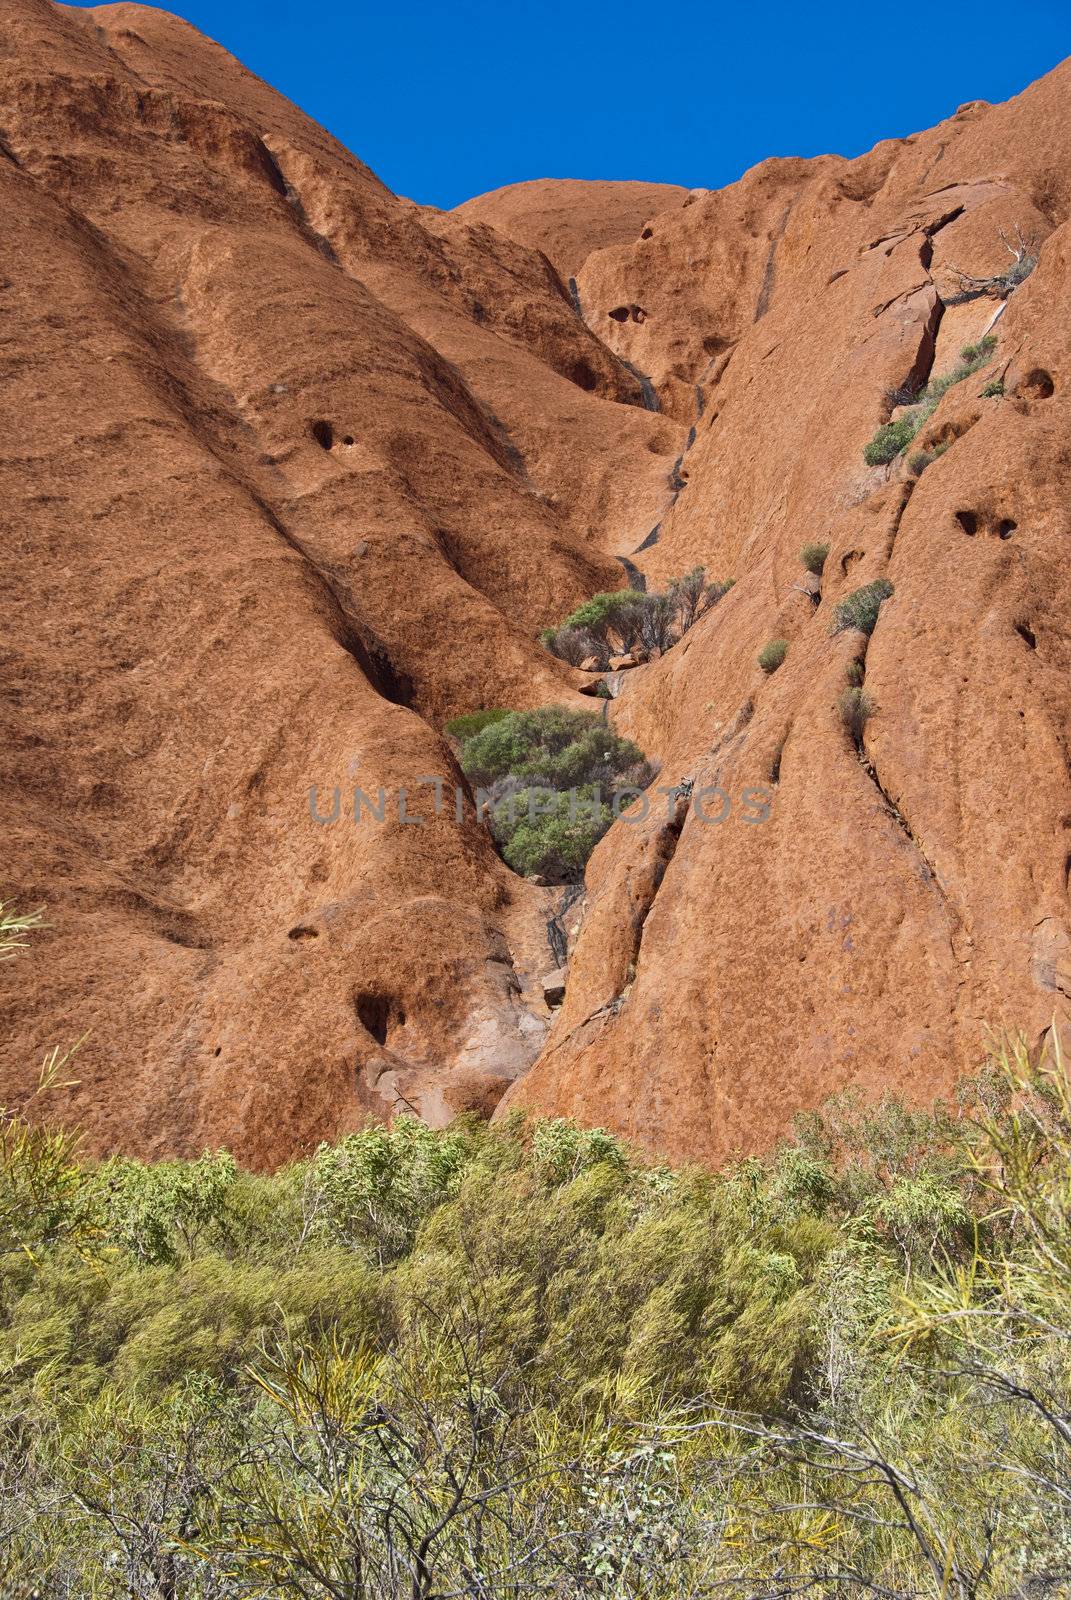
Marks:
<point>567,219</point>
<point>292,471</point>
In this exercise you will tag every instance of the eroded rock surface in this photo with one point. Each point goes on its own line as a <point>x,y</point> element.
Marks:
<point>292,470</point>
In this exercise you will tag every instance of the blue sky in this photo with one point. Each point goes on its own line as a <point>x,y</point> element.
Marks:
<point>445,101</point>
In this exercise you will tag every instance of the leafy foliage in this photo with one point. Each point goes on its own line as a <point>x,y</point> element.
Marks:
<point>553,777</point>
<point>773,654</point>
<point>473,722</point>
<point>860,608</point>
<point>813,557</point>
<point>631,620</point>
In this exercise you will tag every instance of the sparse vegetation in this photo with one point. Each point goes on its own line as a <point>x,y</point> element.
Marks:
<point>856,708</point>
<point>921,459</point>
<point>632,620</point>
<point>860,608</point>
<point>549,780</point>
<point>1024,254</point>
<point>813,557</point>
<point>773,654</point>
<point>893,438</point>
<point>993,389</point>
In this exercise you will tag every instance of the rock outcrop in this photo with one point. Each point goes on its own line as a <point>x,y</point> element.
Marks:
<point>292,470</point>
<point>568,218</point>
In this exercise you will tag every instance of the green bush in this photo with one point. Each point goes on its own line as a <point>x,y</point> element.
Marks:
<point>890,439</point>
<point>856,708</point>
<point>993,389</point>
<point>637,620</point>
<point>893,438</point>
<point>467,1353</point>
<point>472,722</point>
<point>551,833</point>
<point>813,557</point>
<point>772,654</point>
<point>527,761</point>
<point>860,608</point>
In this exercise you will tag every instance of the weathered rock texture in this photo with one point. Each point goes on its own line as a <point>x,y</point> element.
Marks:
<point>569,218</point>
<point>292,470</point>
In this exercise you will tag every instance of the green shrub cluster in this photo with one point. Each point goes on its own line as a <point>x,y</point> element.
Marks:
<point>893,438</point>
<point>773,654</point>
<point>634,620</point>
<point>552,779</point>
<point>423,1362</point>
<point>860,608</point>
<point>813,557</point>
<point>472,722</point>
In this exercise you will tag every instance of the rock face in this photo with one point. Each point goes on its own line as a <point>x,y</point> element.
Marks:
<point>292,470</point>
<point>567,218</point>
<point>857,918</point>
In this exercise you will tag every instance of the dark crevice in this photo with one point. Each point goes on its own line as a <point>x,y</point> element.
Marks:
<point>769,274</point>
<point>636,578</point>
<point>574,296</point>
<point>1027,635</point>
<point>666,844</point>
<point>557,937</point>
<point>285,189</point>
<point>647,388</point>
<point>379,1014</point>
<point>651,539</point>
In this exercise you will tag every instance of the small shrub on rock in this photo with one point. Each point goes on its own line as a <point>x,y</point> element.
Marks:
<point>813,557</point>
<point>772,654</point>
<point>856,708</point>
<point>890,439</point>
<point>860,609</point>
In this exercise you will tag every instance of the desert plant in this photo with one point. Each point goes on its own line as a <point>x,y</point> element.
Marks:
<point>552,777</point>
<point>472,722</point>
<point>855,673</point>
<point>1023,251</point>
<point>860,608</point>
<point>978,352</point>
<point>813,557</point>
<point>921,459</point>
<point>856,708</point>
<point>576,645</point>
<point>890,439</point>
<point>993,389</point>
<point>772,654</point>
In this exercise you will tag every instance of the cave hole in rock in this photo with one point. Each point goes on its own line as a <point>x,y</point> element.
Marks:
<point>324,434</point>
<point>648,233</point>
<point>1037,385</point>
<point>583,376</point>
<point>348,438</point>
<point>1006,527</point>
<point>1027,635</point>
<point>620,313</point>
<point>303,931</point>
<point>968,521</point>
<point>379,1015</point>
